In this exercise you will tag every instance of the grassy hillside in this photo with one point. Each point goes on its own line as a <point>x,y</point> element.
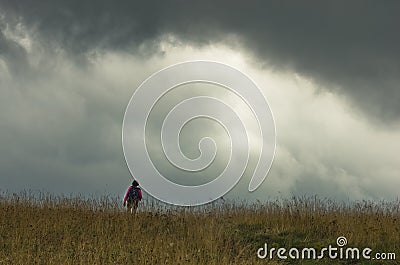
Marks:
<point>43,229</point>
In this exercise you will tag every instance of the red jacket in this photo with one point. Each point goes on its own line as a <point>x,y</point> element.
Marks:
<point>127,193</point>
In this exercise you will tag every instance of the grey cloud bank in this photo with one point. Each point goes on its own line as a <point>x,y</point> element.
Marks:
<point>67,71</point>
<point>352,46</point>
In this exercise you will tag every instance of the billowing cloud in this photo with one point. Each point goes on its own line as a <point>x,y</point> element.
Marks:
<point>330,73</point>
<point>348,47</point>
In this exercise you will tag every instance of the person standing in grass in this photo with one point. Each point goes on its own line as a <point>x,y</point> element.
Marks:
<point>132,197</point>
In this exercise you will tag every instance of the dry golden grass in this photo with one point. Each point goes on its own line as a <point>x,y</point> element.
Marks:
<point>43,229</point>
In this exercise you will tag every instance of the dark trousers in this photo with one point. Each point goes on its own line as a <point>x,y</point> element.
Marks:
<point>132,206</point>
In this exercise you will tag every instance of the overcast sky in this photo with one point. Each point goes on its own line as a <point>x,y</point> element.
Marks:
<point>330,72</point>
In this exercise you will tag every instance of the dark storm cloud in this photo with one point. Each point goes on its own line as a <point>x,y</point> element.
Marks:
<point>351,47</point>
<point>68,68</point>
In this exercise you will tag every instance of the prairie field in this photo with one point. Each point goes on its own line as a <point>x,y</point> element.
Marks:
<point>47,229</point>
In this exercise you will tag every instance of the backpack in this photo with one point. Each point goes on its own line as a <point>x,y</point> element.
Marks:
<point>133,194</point>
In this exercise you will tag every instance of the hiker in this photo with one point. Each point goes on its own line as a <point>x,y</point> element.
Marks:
<point>132,197</point>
